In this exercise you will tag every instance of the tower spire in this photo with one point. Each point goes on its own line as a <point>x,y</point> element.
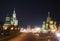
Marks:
<point>14,14</point>
<point>14,18</point>
<point>14,11</point>
<point>48,14</point>
<point>48,18</point>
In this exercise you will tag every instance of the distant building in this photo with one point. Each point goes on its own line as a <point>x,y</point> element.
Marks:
<point>10,21</point>
<point>7,23</point>
<point>14,20</point>
<point>11,24</point>
<point>28,28</point>
<point>49,25</point>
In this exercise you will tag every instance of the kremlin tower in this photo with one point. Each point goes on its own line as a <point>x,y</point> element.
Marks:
<point>10,21</point>
<point>14,20</point>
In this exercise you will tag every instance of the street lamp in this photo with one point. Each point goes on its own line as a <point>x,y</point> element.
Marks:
<point>4,28</point>
<point>11,28</point>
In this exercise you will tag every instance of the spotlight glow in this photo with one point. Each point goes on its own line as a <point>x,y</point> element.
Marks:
<point>58,35</point>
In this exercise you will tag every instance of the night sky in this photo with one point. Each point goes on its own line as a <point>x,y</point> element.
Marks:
<point>30,12</point>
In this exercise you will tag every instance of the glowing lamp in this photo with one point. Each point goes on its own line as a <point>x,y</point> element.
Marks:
<point>5,28</point>
<point>12,28</point>
<point>57,34</point>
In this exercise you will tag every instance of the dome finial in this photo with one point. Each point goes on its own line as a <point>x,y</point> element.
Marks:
<point>14,8</point>
<point>48,14</point>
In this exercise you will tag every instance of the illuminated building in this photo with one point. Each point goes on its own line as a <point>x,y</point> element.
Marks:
<point>49,25</point>
<point>10,21</point>
<point>14,20</point>
<point>35,30</point>
<point>28,28</point>
<point>44,28</point>
<point>11,24</point>
<point>7,23</point>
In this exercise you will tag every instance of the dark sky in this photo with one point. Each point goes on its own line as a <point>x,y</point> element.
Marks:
<point>30,12</point>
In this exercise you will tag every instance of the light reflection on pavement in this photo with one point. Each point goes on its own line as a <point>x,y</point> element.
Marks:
<point>25,37</point>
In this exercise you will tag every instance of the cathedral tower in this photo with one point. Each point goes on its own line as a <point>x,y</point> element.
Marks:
<point>49,25</point>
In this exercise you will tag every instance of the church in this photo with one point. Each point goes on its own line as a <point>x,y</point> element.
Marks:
<point>49,25</point>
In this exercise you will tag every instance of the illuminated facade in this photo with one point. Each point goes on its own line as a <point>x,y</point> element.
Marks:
<point>11,24</point>
<point>10,21</point>
<point>7,23</point>
<point>14,20</point>
<point>28,28</point>
<point>49,25</point>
